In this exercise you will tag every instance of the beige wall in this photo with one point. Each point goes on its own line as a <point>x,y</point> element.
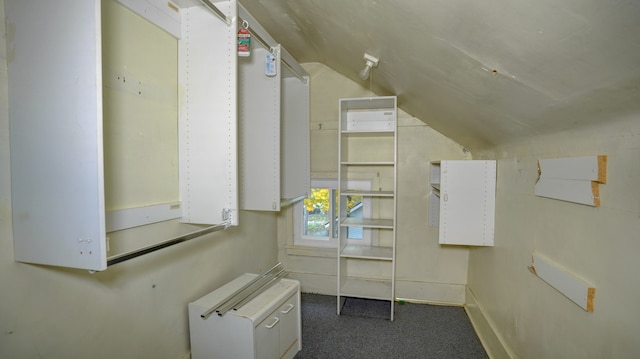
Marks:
<point>425,271</point>
<point>600,245</point>
<point>136,309</point>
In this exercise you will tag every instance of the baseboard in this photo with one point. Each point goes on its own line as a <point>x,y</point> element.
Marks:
<point>491,341</point>
<point>408,291</point>
<point>315,283</point>
<point>430,293</point>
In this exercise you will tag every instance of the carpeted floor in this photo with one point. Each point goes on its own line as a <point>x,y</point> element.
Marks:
<point>364,330</point>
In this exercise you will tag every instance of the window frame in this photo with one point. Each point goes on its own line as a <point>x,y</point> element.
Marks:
<point>323,242</point>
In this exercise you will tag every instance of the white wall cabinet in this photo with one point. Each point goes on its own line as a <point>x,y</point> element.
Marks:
<point>56,123</point>
<point>267,327</point>
<point>368,150</point>
<point>462,201</point>
<point>274,126</point>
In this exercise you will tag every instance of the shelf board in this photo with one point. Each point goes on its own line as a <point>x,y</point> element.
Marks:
<point>367,163</point>
<point>381,132</point>
<point>366,288</point>
<point>367,252</point>
<point>366,222</point>
<point>355,192</point>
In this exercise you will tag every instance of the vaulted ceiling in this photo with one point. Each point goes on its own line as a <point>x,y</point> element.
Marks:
<point>481,72</point>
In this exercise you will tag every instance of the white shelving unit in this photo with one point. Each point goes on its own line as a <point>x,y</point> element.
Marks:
<point>368,148</point>
<point>462,201</point>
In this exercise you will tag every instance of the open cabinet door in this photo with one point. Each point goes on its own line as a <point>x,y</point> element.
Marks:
<point>208,116</point>
<point>259,118</point>
<point>55,114</point>
<point>295,174</point>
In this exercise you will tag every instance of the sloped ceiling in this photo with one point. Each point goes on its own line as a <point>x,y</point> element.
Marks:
<point>481,72</point>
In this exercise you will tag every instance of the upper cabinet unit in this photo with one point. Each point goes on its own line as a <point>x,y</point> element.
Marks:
<point>274,124</point>
<point>367,235</point>
<point>462,201</point>
<point>101,113</point>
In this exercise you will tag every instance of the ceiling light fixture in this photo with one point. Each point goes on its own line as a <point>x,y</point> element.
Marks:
<point>370,62</point>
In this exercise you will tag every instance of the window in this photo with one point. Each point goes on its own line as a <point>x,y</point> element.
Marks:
<point>316,218</point>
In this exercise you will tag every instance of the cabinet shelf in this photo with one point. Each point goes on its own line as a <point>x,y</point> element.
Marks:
<point>368,133</point>
<point>366,288</point>
<point>367,252</point>
<point>355,192</point>
<point>368,163</point>
<point>366,222</point>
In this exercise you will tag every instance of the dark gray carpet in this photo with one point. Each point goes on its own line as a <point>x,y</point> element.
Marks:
<point>364,330</point>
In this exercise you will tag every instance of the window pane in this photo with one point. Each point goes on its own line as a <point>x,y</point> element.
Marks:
<point>316,214</point>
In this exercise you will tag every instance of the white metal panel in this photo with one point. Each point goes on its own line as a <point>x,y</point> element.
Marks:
<point>467,202</point>
<point>162,13</point>
<point>259,118</point>
<point>207,123</point>
<point>295,171</point>
<point>55,110</point>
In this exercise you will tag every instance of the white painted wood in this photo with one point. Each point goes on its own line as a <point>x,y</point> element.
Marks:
<point>367,252</point>
<point>60,141</point>
<point>467,202</point>
<point>140,216</point>
<point>573,168</point>
<point>295,172</point>
<point>487,332</point>
<point>576,191</point>
<point>367,193</point>
<point>368,139</point>
<point>371,120</point>
<point>290,328</point>
<point>434,208</point>
<point>208,113</point>
<point>267,339</point>
<point>274,135</point>
<point>434,194</point>
<point>162,13</point>
<point>259,119</point>
<point>577,290</point>
<point>366,288</point>
<point>243,333</point>
<point>55,101</point>
<point>573,179</point>
<point>367,222</point>
<point>274,126</point>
